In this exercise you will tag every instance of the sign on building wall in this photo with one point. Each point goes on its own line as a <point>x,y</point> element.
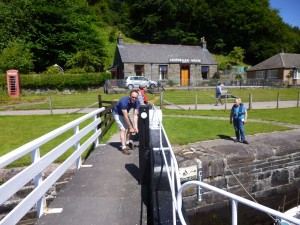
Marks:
<point>182,60</point>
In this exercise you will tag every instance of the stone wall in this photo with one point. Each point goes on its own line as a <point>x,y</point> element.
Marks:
<point>7,174</point>
<point>269,165</point>
<point>151,71</point>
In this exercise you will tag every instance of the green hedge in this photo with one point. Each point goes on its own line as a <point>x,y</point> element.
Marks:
<point>59,81</point>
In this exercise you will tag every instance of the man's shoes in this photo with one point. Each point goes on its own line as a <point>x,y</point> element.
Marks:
<point>125,151</point>
<point>216,104</point>
<point>246,142</point>
<point>130,145</point>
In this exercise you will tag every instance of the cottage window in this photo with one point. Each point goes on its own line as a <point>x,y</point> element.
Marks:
<point>260,74</point>
<point>296,74</point>
<point>163,72</point>
<point>139,70</point>
<point>272,74</point>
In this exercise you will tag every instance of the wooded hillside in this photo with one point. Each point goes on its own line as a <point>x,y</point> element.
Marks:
<point>81,34</point>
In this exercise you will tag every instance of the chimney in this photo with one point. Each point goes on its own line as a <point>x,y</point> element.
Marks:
<point>203,43</point>
<point>120,40</point>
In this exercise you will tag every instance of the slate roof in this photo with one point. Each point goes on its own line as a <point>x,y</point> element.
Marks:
<point>161,53</point>
<point>279,61</point>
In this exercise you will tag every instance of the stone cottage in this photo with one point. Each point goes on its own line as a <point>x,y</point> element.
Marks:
<point>185,65</point>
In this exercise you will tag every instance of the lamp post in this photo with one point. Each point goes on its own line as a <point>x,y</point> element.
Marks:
<point>61,69</point>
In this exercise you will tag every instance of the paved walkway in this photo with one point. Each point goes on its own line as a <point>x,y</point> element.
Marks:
<point>105,193</point>
<point>255,105</point>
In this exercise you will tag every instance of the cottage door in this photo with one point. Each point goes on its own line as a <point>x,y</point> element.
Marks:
<point>184,75</point>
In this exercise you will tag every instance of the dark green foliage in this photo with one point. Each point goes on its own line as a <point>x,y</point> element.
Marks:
<point>54,30</point>
<point>59,81</point>
<point>81,32</point>
<point>16,55</point>
<point>250,24</point>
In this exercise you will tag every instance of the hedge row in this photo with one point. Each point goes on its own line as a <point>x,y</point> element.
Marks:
<point>59,81</point>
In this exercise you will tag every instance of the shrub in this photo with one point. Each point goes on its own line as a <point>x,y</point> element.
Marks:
<point>59,81</point>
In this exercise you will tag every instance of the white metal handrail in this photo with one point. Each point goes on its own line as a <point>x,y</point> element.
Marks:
<point>34,171</point>
<point>176,187</point>
<point>173,174</point>
<point>235,200</point>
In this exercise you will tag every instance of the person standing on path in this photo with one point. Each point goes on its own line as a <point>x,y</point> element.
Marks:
<point>218,94</point>
<point>142,98</point>
<point>239,117</point>
<point>121,115</point>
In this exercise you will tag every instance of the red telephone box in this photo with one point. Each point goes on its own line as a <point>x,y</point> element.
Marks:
<point>13,83</point>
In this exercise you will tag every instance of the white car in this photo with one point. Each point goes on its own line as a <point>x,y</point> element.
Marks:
<point>135,81</point>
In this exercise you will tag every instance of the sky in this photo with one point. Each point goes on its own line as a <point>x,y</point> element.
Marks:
<point>289,10</point>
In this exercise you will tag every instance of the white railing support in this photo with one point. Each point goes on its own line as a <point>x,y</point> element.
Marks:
<point>234,208</point>
<point>96,142</point>
<point>35,156</point>
<point>77,146</point>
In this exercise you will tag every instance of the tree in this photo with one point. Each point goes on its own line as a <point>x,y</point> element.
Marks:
<point>54,30</point>
<point>237,55</point>
<point>85,60</point>
<point>17,56</point>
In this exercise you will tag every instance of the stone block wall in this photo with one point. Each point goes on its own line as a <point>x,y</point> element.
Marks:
<point>268,166</point>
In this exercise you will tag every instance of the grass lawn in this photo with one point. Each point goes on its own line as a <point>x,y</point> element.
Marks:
<point>285,115</point>
<point>195,129</point>
<point>207,96</point>
<point>18,130</point>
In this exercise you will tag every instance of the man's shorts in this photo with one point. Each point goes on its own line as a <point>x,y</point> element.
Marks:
<point>121,121</point>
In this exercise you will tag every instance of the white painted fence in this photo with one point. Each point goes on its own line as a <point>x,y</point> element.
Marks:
<point>39,164</point>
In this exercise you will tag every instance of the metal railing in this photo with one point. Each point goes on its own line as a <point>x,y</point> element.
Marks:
<point>91,132</point>
<point>177,188</point>
<point>172,167</point>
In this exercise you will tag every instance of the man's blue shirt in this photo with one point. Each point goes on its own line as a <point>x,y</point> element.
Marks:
<point>237,112</point>
<point>218,89</point>
<point>125,104</point>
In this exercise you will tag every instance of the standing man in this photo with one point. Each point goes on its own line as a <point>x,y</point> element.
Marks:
<point>126,127</point>
<point>239,116</point>
<point>218,94</point>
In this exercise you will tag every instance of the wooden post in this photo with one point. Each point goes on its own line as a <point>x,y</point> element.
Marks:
<point>161,100</point>
<point>50,102</point>
<point>225,101</point>
<point>250,101</point>
<point>277,101</point>
<point>298,99</point>
<point>100,101</point>
<point>196,100</point>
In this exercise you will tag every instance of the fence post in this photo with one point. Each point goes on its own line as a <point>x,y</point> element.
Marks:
<point>100,101</point>
<point>225,102</point>
<point>161,100</point>
<point>77,146</point>
<point>35,156</point>
<point>50,102</point>
<point>298,99</point>
<point>277,101</point>
<point>250,101</point>
<point>196,102</point>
